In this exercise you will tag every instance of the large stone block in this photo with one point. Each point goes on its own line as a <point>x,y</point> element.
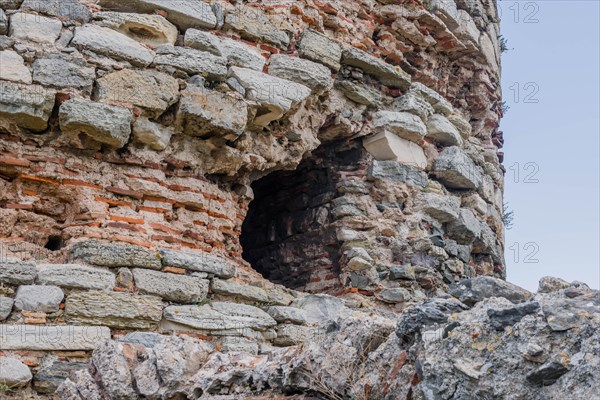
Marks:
<point>252,24</point>
<point>151,30</point>
<point>13,67</point>
<point>64,9</point>
<point>290,335</point>
<point>49,378</point>
<point>35,28</point>
<point>359,93</point>
<point>241,291</point>
<point>114,309</point>
<point>29,106</point>
<point>16,272</point>
<point>75,276</point>
<point>62,71</point>
<point>387,74</point>
<point>171,287</point>
<point>315,76</point>
<point>405,125</point>
<point>150,90</point>
<point>6,305</point>
<point>287,314</point>
<point>442,131</point>
<point>413,103</point>
<point>39,298</point>
<point>192,61</point>
<point>111,43</point>
<point>471,291</point>
<point>60,337</point>
<point>13,373</point>
<point>152,134</point>
<point>443,208</point>
<point>319,48</point>
<point>397,171</point>
<point>466,228</point>
<point>456,170</point>
<point>115,255</point>
<point>201,262</point>
<point>3,22</point>
<point>102,124</point>
<point>436,100</point>
<point>388,146</point>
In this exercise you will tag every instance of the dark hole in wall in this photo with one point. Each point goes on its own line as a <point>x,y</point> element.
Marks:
<point>54,243</point>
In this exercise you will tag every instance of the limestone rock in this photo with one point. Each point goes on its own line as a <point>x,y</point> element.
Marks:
<point>442,208</point>
<point>6,305</point>
<point>111,365</point>
<point>192,61</point>
<point>231,344</point>
<point>237,53</point>
<point>456,170</point>
<point>315,76</point>
<point>389,146</point>
<point>115,255</point>
<point>13,67</point>
<point>171,287</point>
<point>16,272</point>
<point>151,30</point>
<point>437,101</point>
<point>29,106</point>
<point>62,71</point>
<point>102,124</point>
<point>155,136</point>
<point>432,312</point>
<point>503,317</point>
<point>287,314</point>
<point>39,298</point>
<point>150,90</point>
<point>441,130</point>
<point>49,378</point>
<point>394,295</point>
<point>245,292</point>
<point>471,291</point>
<point>414,104</point>
<point>319,48</point>
<point>111,43</point>
<point>321,309</point>
<point>201,262</point>
<point>406,272</point>
<point>549,284</point>
<point>564,314</point>
<point>547,374</point>
<point>290,335</point>
<point>397,171</point>
<point>35,28</point>
<point>114,309</point>
<point>64,9</point>
<point>13,373</point>
<point>466,228</point>
<point>359,93</point>
<point>3,22</point>
<point>403,124</point>
<point>10,4</point>
<point>53,338</point>
<point>463,126</point>
<point>75,276</point>
<point>387,74</point>
<point>253,25</point>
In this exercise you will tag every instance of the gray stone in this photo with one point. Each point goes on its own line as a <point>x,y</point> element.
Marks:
<point>13,67</point>
<point>3,23</point>
<point>16,272</point>
<point>183,13</point>
<point>52,338</point>
<point>414,104</point>
<point>456,170</point>
<point>34,28</point>
<point>10,4</point>
<point>503,317</point>
<point>114,309</point>
<point>547,374</point>
<point>321,309</point>
<point>319,48</point>
<point>443,208</point>
<point>463,126</point>
<point>290,335</point>
<point>387,74</point>
<point>287,314</point>
<point>466,228</point>
<point>151,30</point>
<point>150,90</point>
<point>39,298</point>
<point>102,124</point>
<point>471,291</point>
<point>437,101</point>
<point>13,373</point>
<point>238,290</point>
<point>402,272</point>
<point>75,276</point>
<point>115,255</point>
<point>171,287</point>
<point>111,43</point>
<point>231,344</point>
<point>549,284</point>
<point>112,367</point>
<point>359,93</point>
<point>64,9</point>
<point>6,304</point>
<point>237,53</point>
<point>315,76</point>
<point>152,134</point>
<point>405,125</point>
<point>563,314</point>
<point>394,295</point>
<point>252,24</point>
<point>463,252</point>
<point>83,386</point>
<point>220,316</point>
<point>430,313</point>
<point>398,172</point>
<point>146,339</point>
<point>202,262</point>
<point>192,61</point>
<point>64,71</point>
<point>203,112</point>
<point>442,131</point>
<point>50,377</point>
<point>29,106</point>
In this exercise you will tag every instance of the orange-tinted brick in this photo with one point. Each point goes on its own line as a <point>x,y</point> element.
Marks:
<point>138,221</point>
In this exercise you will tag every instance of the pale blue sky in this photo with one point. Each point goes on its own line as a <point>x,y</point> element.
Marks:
<point>553,58</point>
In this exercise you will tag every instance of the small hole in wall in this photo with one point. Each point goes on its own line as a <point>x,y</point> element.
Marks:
<point>54,243</point>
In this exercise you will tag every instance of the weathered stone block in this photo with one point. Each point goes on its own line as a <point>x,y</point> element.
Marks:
<point>413,103</point>
<point>29,106</point>
<point>10,4</point>
<point>290,335</point>
<point>151,30</point>
<point>406,272</point>
<point>456,170</point>
<point>150,90</point>
<point>394,295</point>
<point>252,24</point>
<point>471,291</point>
<point>75,276</point>
<point>359,93</point>
<point>39,298</point>
<point>171,287</point>
<point>388,146</point>
<point>16,272</point>
<point>441,130</point>
<point>231,344</point>
<point>442,208</point>
<point>13,67</point>
<point>48,379</point>
<point>155,136</point>
<point>3,22</point>
<point>192,61</point>
<point>115,255</point>
<point>201,262</point>
<point>287,314</point>
<point>315,76</point>
<point>387,74</point>
<point>64,9</point>
<point>13,373</point>
<point>111,43</point>
<point>114,309</point>
<point>466,228</point>
<point>403,124</point>
<point>102,124</point>
<point>437,101</point>
<point>397,171</point>
<point>463,126</point>
<point>35,28</point>
<point>6,305</point>
<point>245,292</point>
<point>319,48</point>
<point>59,337</point>
<point>63,71</point>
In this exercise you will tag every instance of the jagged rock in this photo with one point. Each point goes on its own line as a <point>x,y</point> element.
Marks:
<point>289,334</point>
<point>564,314</point>
<point>230,288</point>
<point>397,171</point>
<point>231,344</point>
<point>16,272</point>
<point>503,317</point>
<point>467,29</point>
<point>13,67</point>
<point>359,93</point>
<point>285,314</point>
<point>203,112</point>
<point>111,365</point>
<point>437,101</point>
<point>443,208</point>
<point>183,13</point>
<point>13,373</point>
<point>52,338</point>
<point>252,24</point>
<point>61,71</point>
<point>463,126</point>
<point>394,295</point>
<point>75,276</point>
<point>387,74</point>
<point>6,305</point>
<point>29,106</point>
<point>102,124</point>
<point>237,53</point>
<point>549,284</point>
<point>192,61</point>
<point>456,170</point>
<point>414,104</point>
<point>171,287</point>
<point>315,76</point>
<point>3,22</point>
<point>466,228</point>
<point>39,298</point>
<point>471,291</point>
<point>320,309</point>
<point>154,135</point>
<point>201,262</point>
<point>10,4</point>
<point>441,130</point>
<point>49,378</point>
<point>83,385</point>
<point>319,48</point>
<point>151,30</point>
<point>220,316</point>
<point>547,374</point>
<point>433,312</point>
<point>111,43</point>
<point>114,309</point>
<point>463,252</point>
<point>146,339</point>
<point>115,255</point>
<point>150,90</point>
<point>406,272</point>
<point>35,28</point>
<point>65,9</point>
<point>405,125</point>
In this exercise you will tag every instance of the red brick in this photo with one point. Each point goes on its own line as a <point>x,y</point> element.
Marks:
<point>39,179</point>
<point>14,161</point>
<point>125,192</point>
<point>130,220</point>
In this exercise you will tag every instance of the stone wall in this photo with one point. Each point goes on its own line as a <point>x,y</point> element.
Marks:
<point>135,135</point>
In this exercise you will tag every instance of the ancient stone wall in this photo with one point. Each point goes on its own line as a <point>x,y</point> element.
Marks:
<point>154,155</point>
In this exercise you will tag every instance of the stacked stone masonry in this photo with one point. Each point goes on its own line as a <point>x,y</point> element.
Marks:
<point>158,159</point>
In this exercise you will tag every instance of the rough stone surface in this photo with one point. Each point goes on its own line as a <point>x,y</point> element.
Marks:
<point>57,338</point>
<point>3,22</point>
<point>62,71</point>
<point>456,170</point>
<point>414,104</point>
<point>151,30</point>
<point>441,130</point>
<point>405,125</point>
<point>387,74</point>
<point>35,28</point>
<point>244,292</point>
<point>287,314</point>
<point>397,171</point>
<point>192,61</point>
<point>252,24</point>
<point>500,318</point>
<point>13,373</point>
<point>466,228</point>
<point>315,76</point>
<point>471,291</point>
<point>28,106</point>
<point>13,67</point>
<point>443,208</point>
<point>155,136</point>
<point>75,276</point>
<point>171,287</point>
<point>65,9</point>
<point>16,272</point>
<point>48,379</point>
<point>320,48</point>
<point>6,305</point>
<point>200,262</point>
<point>115,255</point>
<point>361,94</point>
<point>39,298</point>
